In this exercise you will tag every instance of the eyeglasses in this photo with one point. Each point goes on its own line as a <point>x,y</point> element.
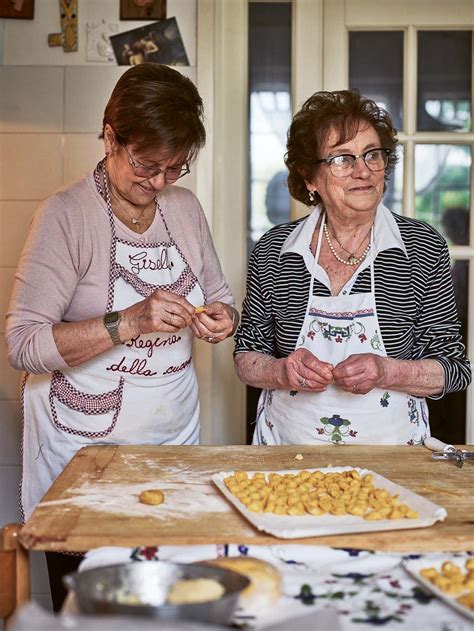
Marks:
<point>375,160</point>
<point>171,174</point>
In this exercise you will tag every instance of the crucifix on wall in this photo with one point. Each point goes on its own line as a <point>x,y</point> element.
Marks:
<point>68,36</point>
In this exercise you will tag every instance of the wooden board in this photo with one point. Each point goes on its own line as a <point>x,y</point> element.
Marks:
<point>76,514</point>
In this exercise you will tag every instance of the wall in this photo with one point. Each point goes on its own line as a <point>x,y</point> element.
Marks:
<point>51,105</point>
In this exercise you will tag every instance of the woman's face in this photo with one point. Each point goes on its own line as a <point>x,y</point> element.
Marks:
<point>359,192</point>
<point>135,189</point>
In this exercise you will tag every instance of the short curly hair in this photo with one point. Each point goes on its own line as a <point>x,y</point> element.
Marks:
<point>342,110</point>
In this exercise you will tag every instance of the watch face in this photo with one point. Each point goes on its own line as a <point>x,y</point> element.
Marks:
<point>111,318</point>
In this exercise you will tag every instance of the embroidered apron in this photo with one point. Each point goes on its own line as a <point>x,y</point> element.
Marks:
<point>142,392</point>
<point>334,328</point>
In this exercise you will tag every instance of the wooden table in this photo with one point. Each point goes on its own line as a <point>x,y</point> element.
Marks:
<point>61,522</point>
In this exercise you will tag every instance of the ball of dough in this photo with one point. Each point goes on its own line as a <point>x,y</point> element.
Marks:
<point>194,590</point>
<point>265,580</point>
<point>153,497</point>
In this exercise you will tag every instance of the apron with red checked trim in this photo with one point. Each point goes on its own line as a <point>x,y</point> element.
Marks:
<point>334,328</point>
<point>141,392</point>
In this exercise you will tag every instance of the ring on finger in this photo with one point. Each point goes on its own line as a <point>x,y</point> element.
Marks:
<point>209,339</point>
<point>303,383</point>
<point>355,388</point>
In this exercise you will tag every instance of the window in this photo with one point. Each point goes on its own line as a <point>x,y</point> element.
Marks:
<point>269,114</point>
<point>433,181</point>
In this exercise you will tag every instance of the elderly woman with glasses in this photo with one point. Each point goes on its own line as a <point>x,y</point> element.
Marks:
<point>118,276</point>
<point>349,321</point>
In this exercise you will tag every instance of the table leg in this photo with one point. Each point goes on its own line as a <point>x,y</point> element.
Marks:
<point>15,574</point>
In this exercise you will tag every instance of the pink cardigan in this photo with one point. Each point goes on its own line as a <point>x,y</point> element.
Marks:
<point>63,272</point>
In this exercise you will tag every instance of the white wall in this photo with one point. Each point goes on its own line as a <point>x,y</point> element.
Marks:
<point>51,106</point>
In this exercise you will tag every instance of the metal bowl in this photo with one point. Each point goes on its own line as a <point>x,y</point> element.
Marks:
<point>142,588</point>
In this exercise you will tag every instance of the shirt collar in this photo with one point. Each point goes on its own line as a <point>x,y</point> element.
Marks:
<point>386,234</point>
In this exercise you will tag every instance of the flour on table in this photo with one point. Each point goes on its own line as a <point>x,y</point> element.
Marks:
<point>196,495</point>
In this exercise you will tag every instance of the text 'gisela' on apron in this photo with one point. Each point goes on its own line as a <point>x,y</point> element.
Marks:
<point>334,328</point>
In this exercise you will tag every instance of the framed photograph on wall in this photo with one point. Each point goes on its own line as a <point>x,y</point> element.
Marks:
<point>142,9</point>
<point>19,9</point>
<point>159,43</point>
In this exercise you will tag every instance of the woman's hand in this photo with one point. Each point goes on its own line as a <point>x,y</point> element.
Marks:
<point>305,372</point>
<point>359,374</point>
<point>162,311</point>
<point>214,322</point>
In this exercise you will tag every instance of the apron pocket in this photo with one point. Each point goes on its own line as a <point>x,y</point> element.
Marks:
<point>77,403</point>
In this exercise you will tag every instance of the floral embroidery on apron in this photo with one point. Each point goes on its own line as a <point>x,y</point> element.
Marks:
<point>336,428</point>
<point>333,332</point>
<point>334,328</point>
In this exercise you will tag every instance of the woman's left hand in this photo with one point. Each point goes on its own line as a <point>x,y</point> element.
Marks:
<point>359,374</point>
<point>215,323</point>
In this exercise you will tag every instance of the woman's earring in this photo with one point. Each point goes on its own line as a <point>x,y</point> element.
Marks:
<point>311,195</point>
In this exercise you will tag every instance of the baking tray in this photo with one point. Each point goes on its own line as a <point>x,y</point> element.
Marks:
<point>289,527</point>
<point>413,568</point>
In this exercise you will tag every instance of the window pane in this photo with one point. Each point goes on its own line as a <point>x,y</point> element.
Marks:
<point>442,189</point>
<point>376,69</point>
<point>270,115</point>
<point>444,80</point>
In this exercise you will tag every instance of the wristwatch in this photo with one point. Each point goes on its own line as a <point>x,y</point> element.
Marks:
<point>111,323</point>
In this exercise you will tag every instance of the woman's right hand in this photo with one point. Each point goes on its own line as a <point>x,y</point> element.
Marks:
<point>162,311</point>
<point>305,372</point>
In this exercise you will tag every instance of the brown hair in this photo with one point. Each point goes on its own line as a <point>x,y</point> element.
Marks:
<point>342,110</point>
<point>155,107</point>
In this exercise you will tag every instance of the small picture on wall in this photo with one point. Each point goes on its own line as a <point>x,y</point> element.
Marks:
<point>142,9</point>
<point>20,9</point>
<point>159,43</point>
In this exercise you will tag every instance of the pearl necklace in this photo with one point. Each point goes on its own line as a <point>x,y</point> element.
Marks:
<point>352,260</point>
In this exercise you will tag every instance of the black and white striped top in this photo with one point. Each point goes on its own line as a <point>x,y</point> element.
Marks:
<point>413,290</point>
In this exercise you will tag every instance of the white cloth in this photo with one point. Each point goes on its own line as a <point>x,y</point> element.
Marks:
<point>367,589</point>
<point>143,391</point>
<point>334,328</point>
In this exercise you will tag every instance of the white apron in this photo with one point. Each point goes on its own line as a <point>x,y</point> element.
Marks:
<point>334,328</point>
<point>142,392</point>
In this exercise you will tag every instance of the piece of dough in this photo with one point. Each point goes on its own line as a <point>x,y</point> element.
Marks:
<point>265,580</point>
<point>194,590</point>
<point>153,497</point>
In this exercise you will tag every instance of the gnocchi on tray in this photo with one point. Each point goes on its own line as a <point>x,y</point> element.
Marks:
<point>295,503</point>
<point>451,579</point>
<point>317,493</point>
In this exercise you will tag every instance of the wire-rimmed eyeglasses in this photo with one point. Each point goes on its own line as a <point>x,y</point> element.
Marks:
<point>142,170</point>
<point>344,164</point>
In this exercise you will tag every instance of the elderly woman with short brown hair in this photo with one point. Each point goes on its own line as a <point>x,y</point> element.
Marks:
<point>118,276</point>
<point>349,321</point>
